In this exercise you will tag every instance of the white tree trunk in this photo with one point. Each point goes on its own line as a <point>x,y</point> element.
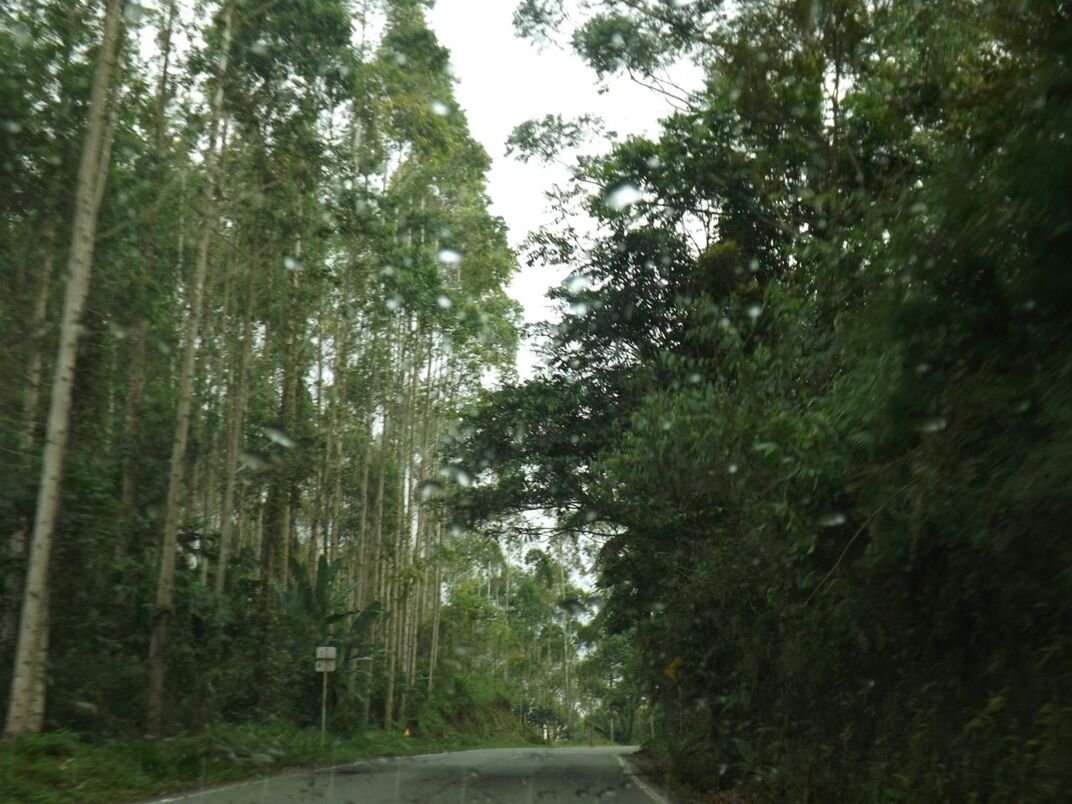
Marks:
<point>25,712</point>
<point>166,583</point>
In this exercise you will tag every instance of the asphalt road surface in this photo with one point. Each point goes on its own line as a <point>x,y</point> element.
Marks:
<point>505,775</point>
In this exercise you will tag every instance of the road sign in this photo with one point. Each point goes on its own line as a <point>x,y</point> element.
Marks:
<point>325,660</point>
<point>325,663</point>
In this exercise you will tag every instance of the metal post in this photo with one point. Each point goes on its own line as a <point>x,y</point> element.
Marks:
<point>323,709</point>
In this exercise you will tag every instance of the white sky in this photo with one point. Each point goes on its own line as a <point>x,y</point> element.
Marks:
<point>503,81</point>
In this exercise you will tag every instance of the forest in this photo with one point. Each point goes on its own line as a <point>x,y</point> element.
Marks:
<point>782,502</point>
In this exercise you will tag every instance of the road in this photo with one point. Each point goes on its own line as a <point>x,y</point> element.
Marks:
<point>504,775</point>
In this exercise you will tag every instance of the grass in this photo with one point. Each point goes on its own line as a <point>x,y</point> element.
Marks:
<point>61,767</point>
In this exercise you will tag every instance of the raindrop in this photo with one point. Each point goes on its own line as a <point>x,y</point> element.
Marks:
<point>439,108</point>
<point>933,425</point>
<point>291,263</point>
<point>399,58</point>
<point>621,196</point>
<point>575,283</point>
<point>279,436</point>
<point>654,161</point>
<point>259,48</point>
<point>133,13</point>
<point>430,489</point>
<point>393,302</point>
<point>832,520</point>
<point>732,468</point>
<point>20,33</point>
<point>1029,305</point>
<point>253,461</point>
<point>572,606</point>
<point>923,368</point>
<point>12,126</point>
<point>753,265</point>
<point>695,377</point>
<point>387,271</point>
<point>456,474</point>
<point>448,256</point>
<point>444,302</point>
<point>754,311</point>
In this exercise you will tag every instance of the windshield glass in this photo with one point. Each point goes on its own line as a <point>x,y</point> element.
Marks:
<point>472,400</point>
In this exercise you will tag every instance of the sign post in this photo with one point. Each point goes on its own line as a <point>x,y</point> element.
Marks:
<point>325,663</point>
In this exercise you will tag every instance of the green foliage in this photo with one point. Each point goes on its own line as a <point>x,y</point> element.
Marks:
<point>813,391</point>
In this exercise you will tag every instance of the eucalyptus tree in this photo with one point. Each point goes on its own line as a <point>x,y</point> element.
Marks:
<point>27,701</point>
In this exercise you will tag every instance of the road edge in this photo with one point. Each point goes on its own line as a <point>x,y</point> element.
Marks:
<point>637,777</point>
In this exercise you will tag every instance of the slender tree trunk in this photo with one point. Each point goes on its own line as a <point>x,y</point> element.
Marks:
<point>136,377</point>
<point>239,393</point>
<point>166,584</point>
<point>25,712</point>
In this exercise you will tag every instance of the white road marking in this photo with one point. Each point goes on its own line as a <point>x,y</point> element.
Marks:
<point>634,776</point>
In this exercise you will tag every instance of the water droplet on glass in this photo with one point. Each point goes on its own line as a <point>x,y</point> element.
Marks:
<point>259,48</point>
<point>448,256</point>
<point>1029,305</point>
<point>393,302</point>
<point>732,468</point>
<point>456,474</point>
<point>654,161</point>
<point>439,108</point>
<point>754,311</point>
<point>20,34</point>
<point>444,302</point>
<point>622,196</point>
<point>291,263</point>
<point>933,425</point>
<point>753,265</point>
<point>832,520</point>
<point>12,126</point>
<point>430,489</point>
<point>253,461</point>
<point>388,271</point>
<point>133,13</point>
<point>695,377</point>
<point>279,436</point>
<point>575,283</point>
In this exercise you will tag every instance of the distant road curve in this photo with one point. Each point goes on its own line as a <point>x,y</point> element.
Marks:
<point>499,775</point>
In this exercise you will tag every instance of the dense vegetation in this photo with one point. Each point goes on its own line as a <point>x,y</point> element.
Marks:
<point>294,283</point>
<point>813,388</point>
<point>810,396</point>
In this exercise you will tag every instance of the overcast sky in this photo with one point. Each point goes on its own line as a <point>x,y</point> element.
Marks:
<point>503,81</point>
